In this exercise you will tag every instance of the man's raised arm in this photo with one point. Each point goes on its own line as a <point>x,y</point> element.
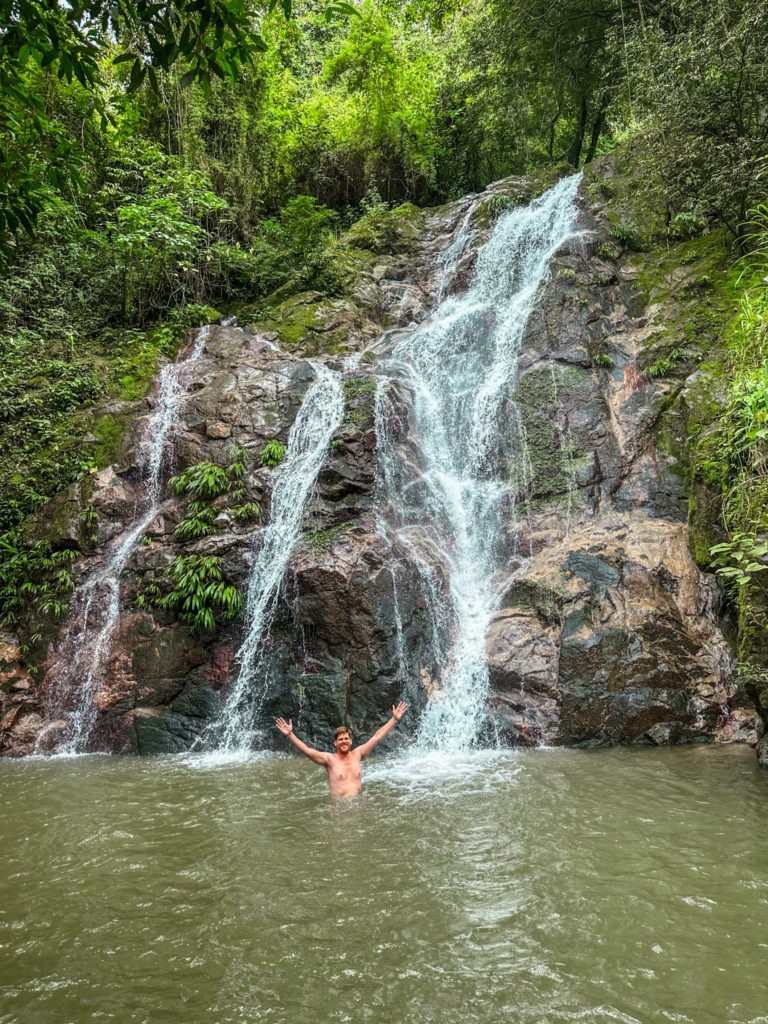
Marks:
<point>398,710</point>
<point>286,728</point>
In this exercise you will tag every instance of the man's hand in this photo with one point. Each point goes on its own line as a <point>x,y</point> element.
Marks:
<point>398,710</point>
<point>286,728</point>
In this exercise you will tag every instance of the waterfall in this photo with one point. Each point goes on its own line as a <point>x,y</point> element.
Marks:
<point>447,486</point>
<point>308,441</point>
<point>86,639</point>
<point>449,259</point>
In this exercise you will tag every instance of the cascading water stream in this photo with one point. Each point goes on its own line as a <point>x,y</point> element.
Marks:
<point>449,259</point>
<point>87,638</point>
<point>459,371</point>
<point>320,414</point>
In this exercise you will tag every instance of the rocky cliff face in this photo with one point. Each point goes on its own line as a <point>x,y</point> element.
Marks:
<point>606,631</point>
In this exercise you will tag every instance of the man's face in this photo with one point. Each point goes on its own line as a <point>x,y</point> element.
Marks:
<point>343,743</point>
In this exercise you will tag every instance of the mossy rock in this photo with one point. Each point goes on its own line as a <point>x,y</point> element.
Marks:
<point>496,205</point>
<point>387,231</point>
<point>538,596</point>
<point>311,323</point>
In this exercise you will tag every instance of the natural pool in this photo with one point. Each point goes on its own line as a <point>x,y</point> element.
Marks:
<point>530,887</point>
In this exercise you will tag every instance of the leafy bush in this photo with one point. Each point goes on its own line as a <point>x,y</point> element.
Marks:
<point>272,454</point>
<point>739,558</point>
<point>198,592</point>
<point>295,248</point>
<point>246,512</point>
<point>34,580</point>
<point>203,481</point>
<point>158,233</point>
<point>745,426</point>
<point>206,482</point>
<point>626,234</point>
<point>197,523</point>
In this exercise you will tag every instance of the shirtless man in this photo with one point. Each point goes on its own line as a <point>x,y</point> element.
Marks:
<point>343,766</point>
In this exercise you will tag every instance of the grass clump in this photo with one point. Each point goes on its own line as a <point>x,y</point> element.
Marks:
<point>665,365</point>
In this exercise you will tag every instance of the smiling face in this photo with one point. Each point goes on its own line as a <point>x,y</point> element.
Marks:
<point>342,741</point>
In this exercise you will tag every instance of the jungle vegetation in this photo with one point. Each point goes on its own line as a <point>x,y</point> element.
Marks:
<point>160,164</point>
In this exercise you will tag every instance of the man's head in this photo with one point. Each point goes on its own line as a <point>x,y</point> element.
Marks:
<point>342,739</point>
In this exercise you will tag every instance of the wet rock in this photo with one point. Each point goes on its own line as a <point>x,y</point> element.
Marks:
<point>606,631</point>
<point>615,632</point>
<point>176,728</point>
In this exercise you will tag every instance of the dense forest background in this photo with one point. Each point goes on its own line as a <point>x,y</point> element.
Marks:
<point>164,164</point>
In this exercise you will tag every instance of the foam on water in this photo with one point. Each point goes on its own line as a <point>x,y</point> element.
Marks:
<point>214,759</point>
<point>417,769</point>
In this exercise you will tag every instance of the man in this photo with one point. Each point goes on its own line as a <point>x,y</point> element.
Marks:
<point>343,766</point>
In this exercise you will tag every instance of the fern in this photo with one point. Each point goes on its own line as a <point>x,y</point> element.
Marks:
<point>272,454</point>
<point>203,480</point>
<point>199,592</point>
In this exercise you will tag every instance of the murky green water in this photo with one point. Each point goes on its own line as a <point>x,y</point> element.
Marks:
<point>525,888</point>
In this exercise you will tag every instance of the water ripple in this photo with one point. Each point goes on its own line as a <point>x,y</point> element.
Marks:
<point>499,888</point>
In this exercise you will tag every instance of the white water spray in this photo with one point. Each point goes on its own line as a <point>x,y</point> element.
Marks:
<point>86,640</point>
<point>468,461</point>
<point>308,441</point>
<point>449,259</point>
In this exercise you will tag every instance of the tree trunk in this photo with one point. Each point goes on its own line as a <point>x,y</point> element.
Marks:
<point>597,128</point>
<point>574,153</point>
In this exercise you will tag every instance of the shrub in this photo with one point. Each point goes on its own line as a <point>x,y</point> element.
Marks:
<point>34,579</point>
<point>739,558</point>
<point>198,592</point>
<point>272,454</point>
<point>203,481</point>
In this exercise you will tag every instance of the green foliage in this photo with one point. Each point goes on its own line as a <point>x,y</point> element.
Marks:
<point>295,247</point>
<point>198,592</point>
<point>739,558</point>
<point>246,512</point>
<point>383,230</point>
<point>206,482</point>
<point>374,121</point>
<point>697,111</point>
<point>603,360</point>
<point>197,523</point>
<point>626,234</point>
<point>731,456</point>
<point>497,205</point>
<point>34,581</point>
<point>89,519</point>
<point>49,435</point>
<point>203,481</point>
<point>665,365</point>
<point>272,454</point>
<point>157,235</point>
<point>745,425</point>
<point>75,42</point>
